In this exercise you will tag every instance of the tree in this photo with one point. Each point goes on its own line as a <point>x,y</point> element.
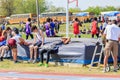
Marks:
<point>7,7</point>
<point>95,10</point>
<point>74,10</point>
<point>52,8</point>
<point>109,8</point>
<point>29,6</point>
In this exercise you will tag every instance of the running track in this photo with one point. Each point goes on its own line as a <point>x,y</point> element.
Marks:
<point>52,76</point>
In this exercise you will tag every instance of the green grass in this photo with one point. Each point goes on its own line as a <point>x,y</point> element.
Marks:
<point>8,65</point>
<point>62,30</point>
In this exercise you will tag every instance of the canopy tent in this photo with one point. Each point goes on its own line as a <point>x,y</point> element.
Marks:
<point>114,13</point>
<point>82,14</point>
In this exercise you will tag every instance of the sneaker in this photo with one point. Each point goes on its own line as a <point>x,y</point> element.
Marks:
<point>114,70</point>
<point>34,61</point>
<point>16,62</point>
<point>79,36</point>
<point>1,58</point>
<point>104,70</point>
<point>40,64</point>
<point>30,61</point>
<point>46,65</point>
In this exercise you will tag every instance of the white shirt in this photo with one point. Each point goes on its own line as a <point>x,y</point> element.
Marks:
<point>112,32</point>
<point>16,38</point>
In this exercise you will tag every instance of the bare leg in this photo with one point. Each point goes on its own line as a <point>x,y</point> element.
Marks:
<point>31,51</point>
<point>4,48</point>
<point>35,52</point>
<point>14,52</point>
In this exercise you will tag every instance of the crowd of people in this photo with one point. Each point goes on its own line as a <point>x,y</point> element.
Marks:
<point>11,37</point>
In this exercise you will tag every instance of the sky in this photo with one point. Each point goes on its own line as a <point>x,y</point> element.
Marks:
<point>84,4</point>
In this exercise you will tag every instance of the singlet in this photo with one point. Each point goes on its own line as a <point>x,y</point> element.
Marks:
<point>38,36</point>
<point>28,28</point>
<point>16,38</point>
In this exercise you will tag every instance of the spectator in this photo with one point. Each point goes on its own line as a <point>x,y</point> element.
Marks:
<point>52,27</point>
<point>112,35</point>
<point>47,27</point>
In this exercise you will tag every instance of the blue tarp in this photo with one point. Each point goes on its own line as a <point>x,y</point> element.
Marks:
<point>113,13</point>
<point>82,14</point>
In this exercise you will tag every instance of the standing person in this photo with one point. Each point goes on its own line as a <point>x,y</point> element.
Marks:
<point>112,35</point>
<point>38,41</point>
<point>28,29</point>
<point>94,30</point>
<point>47,27</point>
<point>56,26</point>
<point>76,30</point>
<point>52,27</point>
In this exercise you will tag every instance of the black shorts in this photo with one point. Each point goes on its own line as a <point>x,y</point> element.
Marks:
<point>38,43</point>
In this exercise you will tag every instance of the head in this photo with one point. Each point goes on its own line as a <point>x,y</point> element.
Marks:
<point>29,20</point>
<point>95,18</point>
<point>76,19</point>
<point>34,28</point>
<point>15,31</point>
<point>114,22</point>
<point>48,20</point>
<point>8,30</point>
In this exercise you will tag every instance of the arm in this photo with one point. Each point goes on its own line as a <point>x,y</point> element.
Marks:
<point>42,35</point>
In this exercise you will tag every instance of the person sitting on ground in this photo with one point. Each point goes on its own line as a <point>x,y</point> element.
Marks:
<point>38,41</point>
<point>12,43</point>
<point>2,43</point>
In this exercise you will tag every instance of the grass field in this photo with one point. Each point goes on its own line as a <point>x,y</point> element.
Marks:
<point>8,65</point>
<point>62,31</point>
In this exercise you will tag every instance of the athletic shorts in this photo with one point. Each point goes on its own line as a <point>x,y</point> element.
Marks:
<point>38,43</point>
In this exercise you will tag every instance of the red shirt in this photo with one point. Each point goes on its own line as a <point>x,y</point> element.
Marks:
<point>76,27</point>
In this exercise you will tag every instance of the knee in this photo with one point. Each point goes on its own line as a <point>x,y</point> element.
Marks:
<point>31,47</point>
<point>35,48</point>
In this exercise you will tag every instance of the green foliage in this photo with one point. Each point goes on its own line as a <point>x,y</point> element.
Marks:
<point>9,7</point>
<point>74,10</point>
<point>97,10</point>
<point>52,8</point>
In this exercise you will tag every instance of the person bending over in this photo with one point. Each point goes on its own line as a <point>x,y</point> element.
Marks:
<point>38,41</point>
<point>12,43</point>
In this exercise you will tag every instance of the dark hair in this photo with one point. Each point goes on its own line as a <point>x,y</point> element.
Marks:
<point>114,22</point>
<point>8,28</point>
<point>34,27</point>
<point>48,20</point>
<point>16,30</point>
<point>76,19</point>
<point>95,18</point>
<point>29,19</point>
